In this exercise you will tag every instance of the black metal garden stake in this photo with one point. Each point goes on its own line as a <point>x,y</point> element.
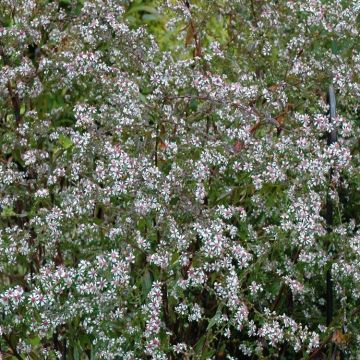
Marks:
<point>332,138</point>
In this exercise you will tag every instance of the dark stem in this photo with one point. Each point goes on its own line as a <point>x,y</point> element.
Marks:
<point>15,103</point>
<point>13,348</point>
<point>329,298</point>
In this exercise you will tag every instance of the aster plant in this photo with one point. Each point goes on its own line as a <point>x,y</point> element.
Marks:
<point>173,184</point>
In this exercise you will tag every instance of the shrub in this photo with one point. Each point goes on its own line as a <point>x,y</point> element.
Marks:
<point>169,188</point>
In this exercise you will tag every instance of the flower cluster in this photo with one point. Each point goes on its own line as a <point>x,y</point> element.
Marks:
<point>171,182</point>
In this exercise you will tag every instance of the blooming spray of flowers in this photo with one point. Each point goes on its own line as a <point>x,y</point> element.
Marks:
<point>177,181</point>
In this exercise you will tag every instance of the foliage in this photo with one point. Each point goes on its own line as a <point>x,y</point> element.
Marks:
<point>167,187</point>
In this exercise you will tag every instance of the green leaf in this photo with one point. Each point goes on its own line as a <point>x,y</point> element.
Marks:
<point>146,282</point>
<point>193,105</point>
<point>143,8</point>
<point>92,354</point>
<point>215,318</point>
<point>143,98</point>
<point>150,17</point>
<point>76,353</point>
<point>34,341</point>
<point>7,211</point>
<point>56,151</point>
<point>200,344</point>
<point>65,141</point>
